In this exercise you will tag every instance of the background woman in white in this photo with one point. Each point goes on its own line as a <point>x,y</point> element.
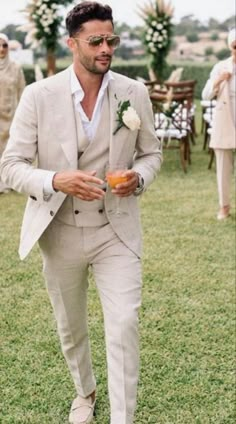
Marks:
<point>222,86</point>
<point>12,83</point>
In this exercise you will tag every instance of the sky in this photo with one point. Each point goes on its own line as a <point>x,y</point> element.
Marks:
<point>126,10</point>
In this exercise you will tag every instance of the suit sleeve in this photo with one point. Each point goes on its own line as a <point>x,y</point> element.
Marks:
<point>148,156</point>
<point>17,164</point>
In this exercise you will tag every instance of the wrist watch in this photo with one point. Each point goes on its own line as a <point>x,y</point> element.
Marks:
<point>140,187</point>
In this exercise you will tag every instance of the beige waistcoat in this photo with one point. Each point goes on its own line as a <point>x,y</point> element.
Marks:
<point>95,156</point>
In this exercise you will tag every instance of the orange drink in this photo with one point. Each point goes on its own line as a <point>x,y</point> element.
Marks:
<point>116,177</point>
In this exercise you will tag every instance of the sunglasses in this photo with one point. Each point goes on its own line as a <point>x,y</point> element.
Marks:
<point>4,45</point>
<point>112,41</point>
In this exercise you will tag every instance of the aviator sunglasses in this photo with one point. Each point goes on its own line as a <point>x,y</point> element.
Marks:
<point>97,40</point>
<point>4,45</point>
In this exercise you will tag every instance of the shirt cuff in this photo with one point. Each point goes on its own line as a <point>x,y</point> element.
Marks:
<point>47,186</point>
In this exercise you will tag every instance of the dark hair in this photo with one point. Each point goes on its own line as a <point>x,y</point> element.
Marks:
<point>84,12</point>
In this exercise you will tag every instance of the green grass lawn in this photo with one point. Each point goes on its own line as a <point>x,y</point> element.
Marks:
<point>186,321</point>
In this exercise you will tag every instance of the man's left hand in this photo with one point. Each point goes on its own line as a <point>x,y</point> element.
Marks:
<point>127,188</point>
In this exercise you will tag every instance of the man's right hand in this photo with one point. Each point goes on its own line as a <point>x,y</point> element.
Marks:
<point>81,184</point>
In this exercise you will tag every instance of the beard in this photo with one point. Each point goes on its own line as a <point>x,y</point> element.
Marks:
<point>100,65</point>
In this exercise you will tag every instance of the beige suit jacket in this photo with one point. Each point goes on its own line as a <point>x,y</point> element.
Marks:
<point>223,128</point>
<point>43,138</point>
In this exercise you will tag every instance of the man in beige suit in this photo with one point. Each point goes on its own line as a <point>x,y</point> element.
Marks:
<point>69,125</point>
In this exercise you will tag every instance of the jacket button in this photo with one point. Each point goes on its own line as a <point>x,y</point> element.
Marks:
<point>51,213</point>
<point>100,211</point>
<point>76,212</point>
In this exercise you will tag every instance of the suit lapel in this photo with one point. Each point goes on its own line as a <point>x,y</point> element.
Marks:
<point>61,103</point>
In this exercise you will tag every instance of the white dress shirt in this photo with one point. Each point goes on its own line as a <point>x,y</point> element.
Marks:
<point>89,126</point>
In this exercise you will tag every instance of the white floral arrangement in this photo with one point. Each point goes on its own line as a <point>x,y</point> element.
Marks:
<point>44,19</point>
<point>127,117</point>
<point>157,15</point>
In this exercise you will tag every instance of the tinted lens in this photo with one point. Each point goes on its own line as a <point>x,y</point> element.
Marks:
<point>113,41</point>
<point>96,41</point>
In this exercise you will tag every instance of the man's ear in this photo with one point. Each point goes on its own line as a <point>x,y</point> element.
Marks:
<point>70,43</point>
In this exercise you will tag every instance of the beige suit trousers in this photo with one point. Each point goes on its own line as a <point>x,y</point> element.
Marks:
<point>224,169</point>
<point>68,253</point>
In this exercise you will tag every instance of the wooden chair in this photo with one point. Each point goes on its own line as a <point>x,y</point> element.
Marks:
<point>205,105</point>
<point>187,86</point>
<point>175,126</point>
<point>207,114</point>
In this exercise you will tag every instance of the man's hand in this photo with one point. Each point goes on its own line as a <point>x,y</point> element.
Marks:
<point>81,184</point>
<point>127,188</point>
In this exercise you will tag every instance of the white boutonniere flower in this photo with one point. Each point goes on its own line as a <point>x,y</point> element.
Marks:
<point>127,117</point>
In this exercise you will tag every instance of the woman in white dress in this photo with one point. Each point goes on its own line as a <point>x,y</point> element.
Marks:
<point>222,86</point>
<point>12,83</point>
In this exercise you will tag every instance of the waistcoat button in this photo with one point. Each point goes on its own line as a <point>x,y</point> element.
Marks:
<point>100,211</point>
<point>76,212</point>
<point>51,213</point>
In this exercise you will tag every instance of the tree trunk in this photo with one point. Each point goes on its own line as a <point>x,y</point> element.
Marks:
<point>51,62</point>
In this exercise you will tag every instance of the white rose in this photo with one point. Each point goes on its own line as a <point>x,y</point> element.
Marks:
<point>159,26</point>
<point>153,23</point>
<point>148,37</point>
<point>45,23</point>
<point>131,119</point>
<point>155,36</point>
<point>150,31</point>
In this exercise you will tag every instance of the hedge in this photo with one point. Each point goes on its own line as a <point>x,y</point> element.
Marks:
<point>191,71</point>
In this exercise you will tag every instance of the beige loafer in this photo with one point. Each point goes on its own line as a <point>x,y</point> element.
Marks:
<point>82,410</point>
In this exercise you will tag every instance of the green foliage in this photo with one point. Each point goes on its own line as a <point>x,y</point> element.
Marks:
<point>124,52</point>
<point>223,54</point>
<point>200,73</point>
<point>209,51</point>
<point>192,37</point>
<point>214,36</point>
<point>189,24</point>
